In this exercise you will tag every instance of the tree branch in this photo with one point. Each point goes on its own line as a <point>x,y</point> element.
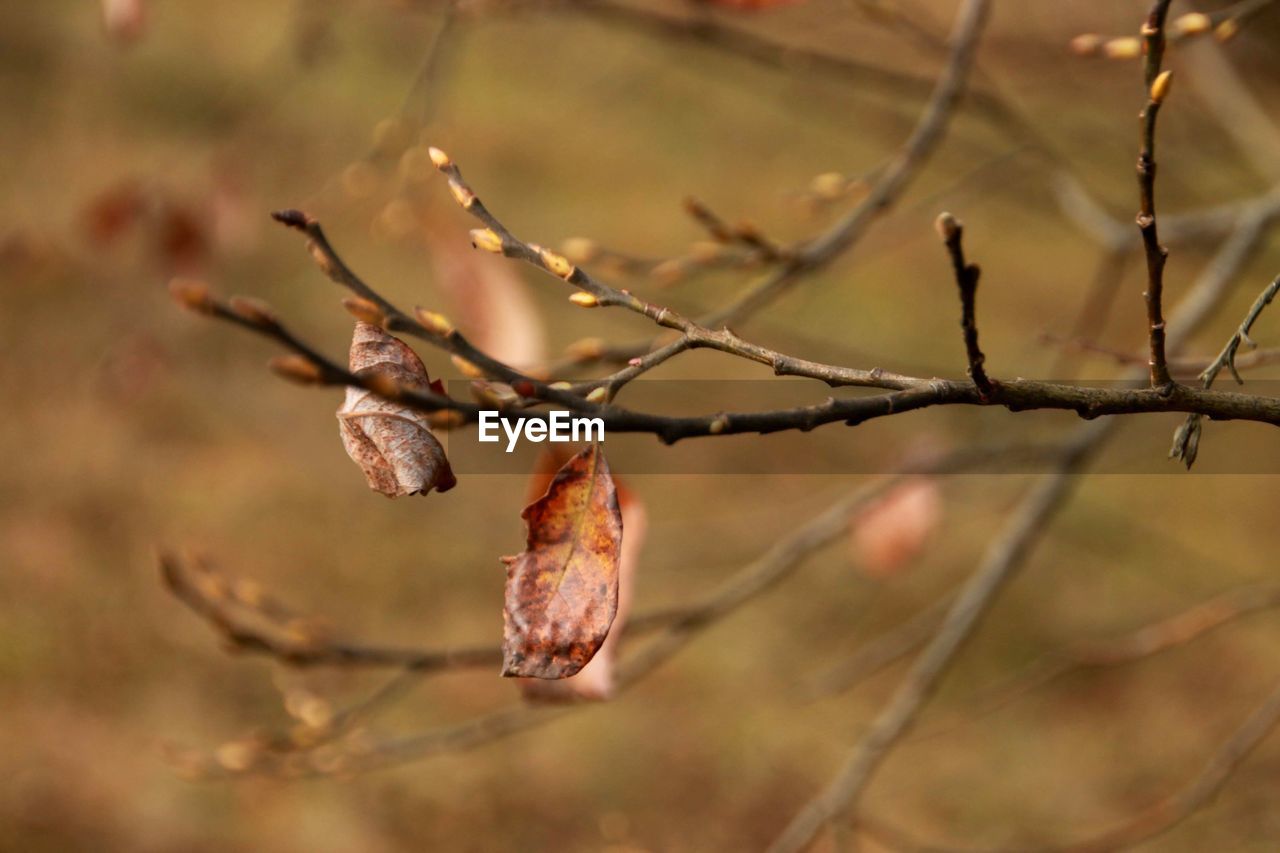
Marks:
<point>1157,88</point>
<point>1001,561</point>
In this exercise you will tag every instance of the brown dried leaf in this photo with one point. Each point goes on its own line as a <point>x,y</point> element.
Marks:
<point>890,533</point>
<point>595,682</point>
<point>391,443</point>
<point>562,592</point>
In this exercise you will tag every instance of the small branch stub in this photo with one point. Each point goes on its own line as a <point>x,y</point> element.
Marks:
<point>951,231</point>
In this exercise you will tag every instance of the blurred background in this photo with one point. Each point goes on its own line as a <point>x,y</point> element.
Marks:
<point>145,140</point>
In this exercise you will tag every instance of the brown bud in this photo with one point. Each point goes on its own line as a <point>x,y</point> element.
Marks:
<point>296,368</point>
<point>237,756</point>
<point>466,368</point>
<point>192,295</point>
<point>1086,44</point>
<point>1191,24</point>
<point>365,311</point>
<point>445,419</point>
<point>1160,87</point>
<point>829,185</point>
<point>486,240</point>
<point>493,394</point>
<point>439,158</point>
<point>669,271</point>
<point>580,250</point>
<point>705,251</point>
<point>557,264</point>
<point>253,311</point>
<point>586,349</point>
<point>947,226</point>
<point>437,324</point>
<point>1122,48</point>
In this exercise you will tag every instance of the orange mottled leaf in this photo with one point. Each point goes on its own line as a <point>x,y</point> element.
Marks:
<point>596,680</point>
<point>562,591</point>
<point>393,444</point>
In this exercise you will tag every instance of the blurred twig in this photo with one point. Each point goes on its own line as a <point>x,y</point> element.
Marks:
<point>1150,640</point>
<point>1146,824</point>
<point>676,627</point>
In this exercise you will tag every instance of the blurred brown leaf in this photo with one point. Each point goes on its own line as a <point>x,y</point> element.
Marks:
<point>491,304</point>
<point>125,20</point>
<point>890,533</point>
<point>391,443</point>
<point>110,213</point>
<point>562,592</point>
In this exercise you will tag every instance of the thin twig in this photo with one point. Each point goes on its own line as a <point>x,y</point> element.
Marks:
<point>1149,823</point>
<point>1157,84</point>
<point>1186,440</point>
<point>966,275</point>
<point>1149,640</point>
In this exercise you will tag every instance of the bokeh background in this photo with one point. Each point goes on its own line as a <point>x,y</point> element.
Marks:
<point>155,147</point>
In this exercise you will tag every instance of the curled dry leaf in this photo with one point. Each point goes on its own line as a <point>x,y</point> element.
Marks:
<point>595,681</point>
<point>391,443</point>
<point>490,303</point>
<point>562,591</point>
<point>887,535</point>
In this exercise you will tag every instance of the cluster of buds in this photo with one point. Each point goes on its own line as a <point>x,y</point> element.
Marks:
<point>1130,47</point>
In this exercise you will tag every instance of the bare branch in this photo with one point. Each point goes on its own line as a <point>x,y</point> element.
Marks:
<point>1002,560</point>
<point>1170,632</point>
<point>1157,83</point>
